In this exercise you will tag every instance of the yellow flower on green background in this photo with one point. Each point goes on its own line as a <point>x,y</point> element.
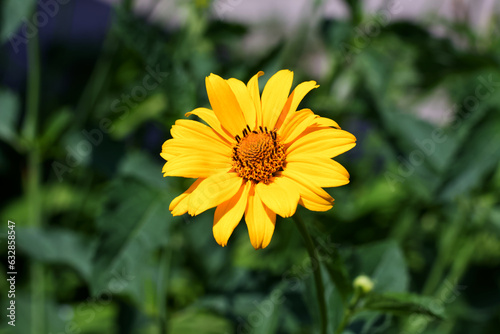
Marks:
<point>258,156</point>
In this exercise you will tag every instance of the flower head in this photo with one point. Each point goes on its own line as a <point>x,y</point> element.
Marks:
<point>363,283</point>
<point>258,156</point>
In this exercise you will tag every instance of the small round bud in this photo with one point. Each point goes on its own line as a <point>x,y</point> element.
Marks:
<point>364,283</point>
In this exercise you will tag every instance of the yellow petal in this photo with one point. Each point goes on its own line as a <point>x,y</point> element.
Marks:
<point>320,161</point>
<point>315,203</point>
<point>213,191</point>
<point>189,129</point>
<point>294,100</point>
<point>312,197</point>
<point>302,120</point>
<point>202,165</point>
<point>296,125</point>
<point>260,221</point>
<point>323,121</point>
<point>322,172</point>
<point>225,105</point>
<point>167,155</point>
<point>274,97</point>
<point>325,142</point>
<point>179,205</point>
<point>228,215</point>
<point>176,147</point>
<point>253,90</point>
<point>281,195</point>
<point>209,117</point>
<point>245,100</point>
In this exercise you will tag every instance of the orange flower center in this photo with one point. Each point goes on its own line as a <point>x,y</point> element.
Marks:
<point>258,155</point>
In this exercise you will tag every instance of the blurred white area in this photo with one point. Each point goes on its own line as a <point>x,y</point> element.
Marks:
<point>435,108</point>
<point>478,13</point>
<point>269,21</point>
<point>169,13</point>
<point>288,13</point>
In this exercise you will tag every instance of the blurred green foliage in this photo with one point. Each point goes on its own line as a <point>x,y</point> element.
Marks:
<point>97,250</point>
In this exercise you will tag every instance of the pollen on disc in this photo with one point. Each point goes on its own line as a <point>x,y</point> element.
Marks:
<point>258,155</point>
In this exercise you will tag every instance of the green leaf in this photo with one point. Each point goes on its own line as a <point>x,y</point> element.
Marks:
<point>149,109</point>
<point>478,157</point>
<point>52,320</point>
<point>270,308</point>
<point>9,106</point>
<point>385,264</point>
<point>13,13</point>
<point>198,322</point>
<point>133,225</point>
<point>143,167</point>
<point>391,273</point>
<point>403,304</point>
<point>59,197</point>
<point>335,303</point>
<point>338,274</point>
<point>55,127</point>
<point>90,317</point>
<point>277,262</point>
<point>58,246</point>
<point>85,317</point>
<point>147,40</point>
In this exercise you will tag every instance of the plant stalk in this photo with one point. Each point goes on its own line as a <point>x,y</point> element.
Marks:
<point>350,311</point>
<point>163,271</point>
<point>318,280</point>
<point>37,284</point>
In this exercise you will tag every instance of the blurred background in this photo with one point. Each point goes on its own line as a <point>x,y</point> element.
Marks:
<point>89,90</point>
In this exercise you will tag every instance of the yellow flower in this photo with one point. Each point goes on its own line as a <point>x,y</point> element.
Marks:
<point>257,157</point>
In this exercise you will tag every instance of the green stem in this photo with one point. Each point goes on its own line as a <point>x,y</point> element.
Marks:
<point>33,91</point>
<point>451,243</point>
<point>34,179</point>
<point>318,280</point>
<point>37,284</point>
<point>97,80</point>
<point>350,311</point>
<point>100,73</point>
<point>163,270</point>
<point>345,321</point>
<point>463,257</point>
<point>447,245</point>
<point>435,276</point>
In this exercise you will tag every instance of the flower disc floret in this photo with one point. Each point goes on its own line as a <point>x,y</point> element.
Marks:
<point>258,155</point>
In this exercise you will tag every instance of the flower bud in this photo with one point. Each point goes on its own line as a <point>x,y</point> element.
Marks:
<point>363,283</point>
